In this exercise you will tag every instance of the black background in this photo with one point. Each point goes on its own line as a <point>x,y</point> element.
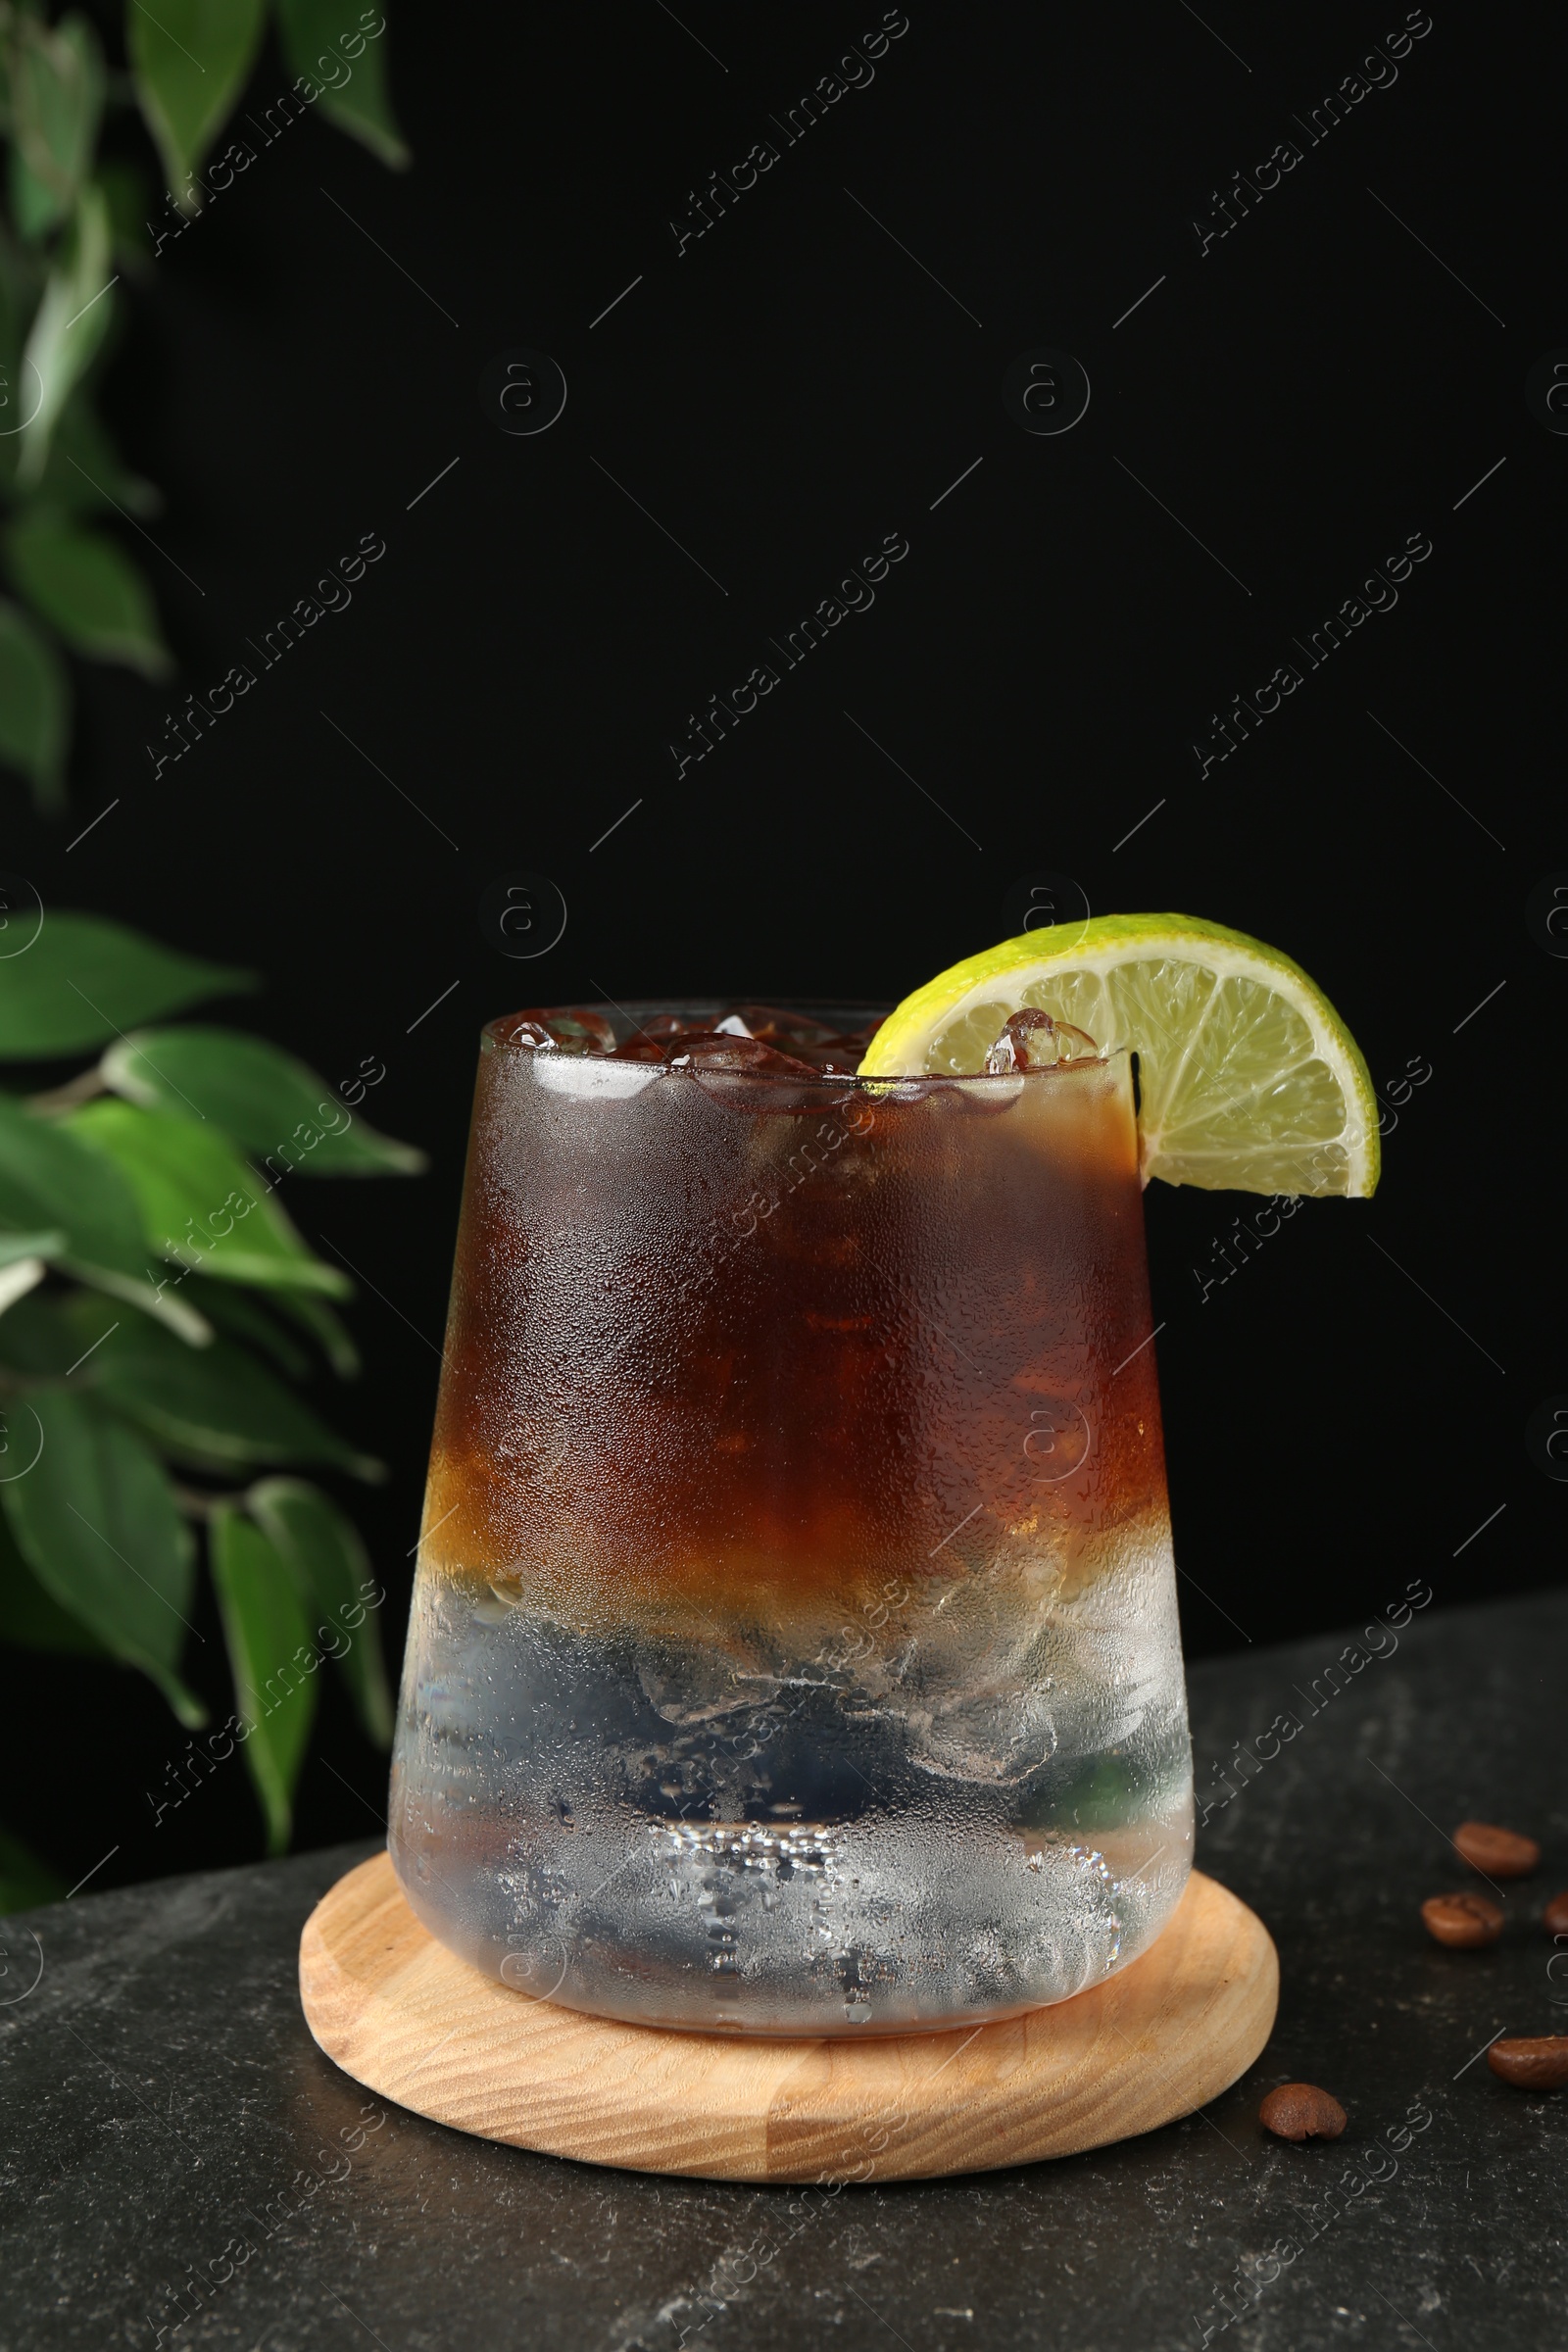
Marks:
<point>1310,391</point>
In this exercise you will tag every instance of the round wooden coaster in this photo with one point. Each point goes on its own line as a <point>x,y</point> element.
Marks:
<point>407,2018</point>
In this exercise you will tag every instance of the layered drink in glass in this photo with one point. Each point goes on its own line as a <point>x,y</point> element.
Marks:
<point>794,1647</point>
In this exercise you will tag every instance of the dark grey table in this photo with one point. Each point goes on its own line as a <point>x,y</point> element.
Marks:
<point>175,2144</point>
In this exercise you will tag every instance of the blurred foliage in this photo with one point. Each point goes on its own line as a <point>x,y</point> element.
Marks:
<point>72,236</point>
<point>159,1313</point>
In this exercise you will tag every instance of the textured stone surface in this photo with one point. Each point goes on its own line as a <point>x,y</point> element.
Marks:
<point>165,2110</point>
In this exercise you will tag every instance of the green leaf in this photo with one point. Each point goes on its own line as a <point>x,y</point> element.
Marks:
<point>33,209</point>
<point>334,1570</point>
<point>38,1340</point>
<point>50,1178</point>
<point>19,1274</point>
<point>237,1313</point>
<point>96,1521</point>
<point>284,1115</point>
<point>21,281</point>
<point>85,473</point>
<point>348,70</point>
<point>70,324</point>
<point>28,1615</point>
<point>15,1245</point>
<point>328,1329</point>
<point>24,1263</point>
<point>129,198</point>
<point>190,60</point>
<point>34,708</point>
<point>25,1881</point>
<point>202,1207</point>
<point>274,1659</point>
<point>84,980</point>
<point>56,96</point>
<point>88,588</point>
<point>219,1410</point>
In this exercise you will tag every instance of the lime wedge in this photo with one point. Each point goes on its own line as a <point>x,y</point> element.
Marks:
<point>1249,1080</point>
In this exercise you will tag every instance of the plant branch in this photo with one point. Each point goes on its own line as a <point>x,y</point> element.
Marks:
<point>60,1099</point>
<point>197,1503</point>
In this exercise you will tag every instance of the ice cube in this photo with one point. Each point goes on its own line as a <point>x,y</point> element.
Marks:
<point>859,1040</point>
<point>596,1077</point>
<point>1032,1040</point>
<point>747,1075</point>
<point>1001,1735</point>
<point>650,1043</point>
<point>583,1031</point>
<point>801,1035</point>
<point>776,1025</point>
<point>695,1684</point>
<point>532,1034</point>
<point>829,1051</point>
<point>836,1057</point>
<point>711,1050</point>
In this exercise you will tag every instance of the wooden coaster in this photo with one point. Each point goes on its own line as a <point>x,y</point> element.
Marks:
<point>411,2021</point>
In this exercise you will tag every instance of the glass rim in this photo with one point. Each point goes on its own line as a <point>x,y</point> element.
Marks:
<point>500,1032</point>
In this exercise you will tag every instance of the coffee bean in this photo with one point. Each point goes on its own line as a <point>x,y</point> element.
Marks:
<point>1554,1917</point>
<point>1463,1919</point>
<point>1497,1854</point>
<point>1530,2061</point>
<point>1301,2111</point>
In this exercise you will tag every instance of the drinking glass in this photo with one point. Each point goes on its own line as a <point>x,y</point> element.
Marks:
<point>794,1647</point>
